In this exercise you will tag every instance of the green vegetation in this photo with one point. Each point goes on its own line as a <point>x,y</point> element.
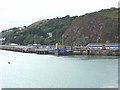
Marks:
<point>101,26</point>
<point>38,32</point>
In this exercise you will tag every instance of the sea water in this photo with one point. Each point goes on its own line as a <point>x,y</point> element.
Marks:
<point>48,71</point>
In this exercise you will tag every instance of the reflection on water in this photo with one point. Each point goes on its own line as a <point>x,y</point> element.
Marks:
<point>92,57</point>
<point>96,57</point>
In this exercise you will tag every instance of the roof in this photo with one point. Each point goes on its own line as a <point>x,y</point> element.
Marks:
<point>106,44</point>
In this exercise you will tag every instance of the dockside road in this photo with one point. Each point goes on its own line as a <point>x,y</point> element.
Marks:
<point>43,49</point>
<point>25,49</point>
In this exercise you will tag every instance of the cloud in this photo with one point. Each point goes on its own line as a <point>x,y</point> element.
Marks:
<point>20,12</point>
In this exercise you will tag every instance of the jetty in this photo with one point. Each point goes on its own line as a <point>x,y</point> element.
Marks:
<point>101,49</point>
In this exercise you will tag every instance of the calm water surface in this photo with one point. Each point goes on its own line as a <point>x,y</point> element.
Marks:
<point>47,71</point>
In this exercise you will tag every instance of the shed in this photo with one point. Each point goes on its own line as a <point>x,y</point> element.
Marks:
<point>112,46</point>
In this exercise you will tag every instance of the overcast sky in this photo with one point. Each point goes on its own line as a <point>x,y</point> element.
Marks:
<point>17,13</point>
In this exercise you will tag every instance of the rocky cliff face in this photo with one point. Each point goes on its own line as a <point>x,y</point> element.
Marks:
<point>93,28</point>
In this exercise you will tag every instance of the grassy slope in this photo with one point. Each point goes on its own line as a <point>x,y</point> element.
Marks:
<point>94,27</point>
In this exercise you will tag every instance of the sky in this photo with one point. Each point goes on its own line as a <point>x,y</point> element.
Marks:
<point>18,13</point>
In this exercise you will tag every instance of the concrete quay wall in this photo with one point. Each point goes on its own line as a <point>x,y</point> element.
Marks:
<point>81,51</point>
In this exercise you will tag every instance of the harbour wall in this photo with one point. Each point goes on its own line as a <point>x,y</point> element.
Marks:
<point>52,51</point>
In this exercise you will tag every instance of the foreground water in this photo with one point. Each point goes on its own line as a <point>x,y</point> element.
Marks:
<point>47,71</point>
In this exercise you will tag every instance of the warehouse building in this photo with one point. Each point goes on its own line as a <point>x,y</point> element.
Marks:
<point>111,46</point>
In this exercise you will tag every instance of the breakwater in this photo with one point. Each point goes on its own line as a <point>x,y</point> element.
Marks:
<point>52,51</point>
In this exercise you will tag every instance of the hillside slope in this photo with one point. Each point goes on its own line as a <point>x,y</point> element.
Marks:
<point>38,32</point>
<point>97,27</point>
<point>101,26</point>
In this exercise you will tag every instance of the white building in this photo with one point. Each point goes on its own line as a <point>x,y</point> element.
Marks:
<point>113,46</point>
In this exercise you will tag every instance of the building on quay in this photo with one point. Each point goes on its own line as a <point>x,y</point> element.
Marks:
<point>111,46</point>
